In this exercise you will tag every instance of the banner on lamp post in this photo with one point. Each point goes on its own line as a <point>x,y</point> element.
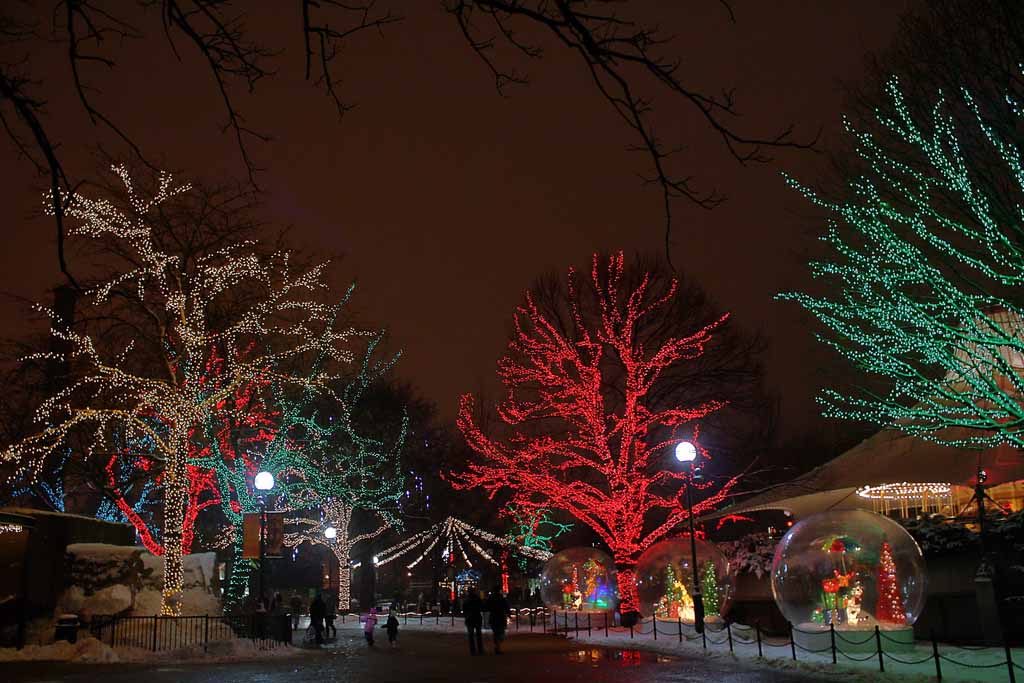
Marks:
<point>274,529</point>
<point>251,535</point>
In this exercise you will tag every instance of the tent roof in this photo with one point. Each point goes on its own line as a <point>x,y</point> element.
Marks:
<point>887,457</point>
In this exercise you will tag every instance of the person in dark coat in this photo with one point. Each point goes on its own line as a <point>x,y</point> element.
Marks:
<point>391,626</point>
<point>330,611</point>
<point>472,611</point>
<point>317,611</point>
<point>498,609</point>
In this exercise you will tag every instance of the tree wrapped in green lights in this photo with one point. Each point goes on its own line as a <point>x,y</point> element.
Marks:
<point>709,589</point>
<point>922,289</point>
<point>532,527</point>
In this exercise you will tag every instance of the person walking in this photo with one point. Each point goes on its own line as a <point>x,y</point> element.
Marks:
<point>296,607</point>
<point>331,610</point>
<point>472,611</point>
<point>369,622</point>
<point>498,610</point>
<point>317,610</point>
<point>391,626</point>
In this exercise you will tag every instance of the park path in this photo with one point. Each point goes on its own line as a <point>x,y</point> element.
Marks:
<point>422,656</point>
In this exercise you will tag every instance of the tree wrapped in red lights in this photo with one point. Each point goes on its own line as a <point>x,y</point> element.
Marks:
<point>583,433</point>
<point>889,608</point>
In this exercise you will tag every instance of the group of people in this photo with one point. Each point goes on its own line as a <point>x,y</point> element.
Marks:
<point>321,617</point>
<point>498,612</point>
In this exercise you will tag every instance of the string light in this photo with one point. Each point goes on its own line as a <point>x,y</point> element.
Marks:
<point>922,296</point>
<point>281,325</point>
<point>889,608</point>
<point>451,533</point>
<point>603,467</point>
<point>904,491</point>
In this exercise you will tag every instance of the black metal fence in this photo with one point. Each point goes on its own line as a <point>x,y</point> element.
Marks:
<point>159,633</point>
<point>875,644</point>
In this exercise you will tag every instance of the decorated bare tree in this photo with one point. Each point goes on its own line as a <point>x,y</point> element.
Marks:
<point>924,277</point>
<point>274,320</point>
<point>580,434</point>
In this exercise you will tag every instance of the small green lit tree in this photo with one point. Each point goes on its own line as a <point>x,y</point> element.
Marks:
<point>922,287</point>
<point>709,589</point>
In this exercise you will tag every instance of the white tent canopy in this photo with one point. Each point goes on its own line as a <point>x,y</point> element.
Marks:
<point>888,457</point>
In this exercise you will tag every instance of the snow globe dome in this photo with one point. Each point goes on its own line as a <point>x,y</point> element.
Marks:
<point>664,580</point>
<point>579,578</point>
<point>851,570</point>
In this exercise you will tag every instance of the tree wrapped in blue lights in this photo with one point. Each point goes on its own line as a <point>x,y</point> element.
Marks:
<point>922,287</point>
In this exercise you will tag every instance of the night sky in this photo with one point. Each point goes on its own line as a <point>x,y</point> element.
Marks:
<point>445,200</point>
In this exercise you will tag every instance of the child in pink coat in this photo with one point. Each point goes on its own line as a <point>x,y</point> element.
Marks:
<point>369,622</point>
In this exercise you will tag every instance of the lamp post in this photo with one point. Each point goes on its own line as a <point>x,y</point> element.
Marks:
<point>264,482</point>
<point>686,452</point>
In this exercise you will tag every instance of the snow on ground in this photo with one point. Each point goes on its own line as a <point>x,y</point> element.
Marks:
<point>89,649</point>
<point>958,664</point>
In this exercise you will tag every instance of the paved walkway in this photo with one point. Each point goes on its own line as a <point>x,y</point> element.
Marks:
<point>422,656</point>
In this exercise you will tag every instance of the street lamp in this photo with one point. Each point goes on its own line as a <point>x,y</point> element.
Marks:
<point>263,482</point>
<point>330,533</point>
<point>686,452</point>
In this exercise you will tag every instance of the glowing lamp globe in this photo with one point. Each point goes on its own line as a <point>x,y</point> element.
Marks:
<point>686,451</point>
<point>851,570</point>
<point>579,579</point>
<point>664,580</point>
<point>264,481</point>
<point>330,532</point>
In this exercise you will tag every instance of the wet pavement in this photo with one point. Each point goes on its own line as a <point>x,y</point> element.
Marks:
<point>422,656</point>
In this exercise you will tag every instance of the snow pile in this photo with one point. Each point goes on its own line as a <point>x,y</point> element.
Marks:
<point>85,650</point>
<point>112,579</point>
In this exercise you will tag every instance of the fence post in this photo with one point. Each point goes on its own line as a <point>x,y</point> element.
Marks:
<point>155,622</point>
<point>406,616</point>
<point>703,635</point>
<point>421,618</point>
<point>588,624</point>
<point>728,632</point>
<point>606,615</point>
<point>206,631</point>
<point>680,629</point>
<point>631,630</point>
<point>757,627</point>
<point>1009,661</point>
<point>792,643</point>
<point>453,617</point>
<point>878,643</point>
<point>576,623</point>
<point>437,616</point>
<point>935,654</point>
<point>654,622</point>
<point>832,637</point>
<point>517,620</point>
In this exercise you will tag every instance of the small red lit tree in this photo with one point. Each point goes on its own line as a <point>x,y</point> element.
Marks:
<point>889,608</point>
<point>583,435</point>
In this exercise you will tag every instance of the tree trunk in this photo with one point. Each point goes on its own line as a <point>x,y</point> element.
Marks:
<point>629,600</point>
<point>175,497</point>
<point>341,551</point>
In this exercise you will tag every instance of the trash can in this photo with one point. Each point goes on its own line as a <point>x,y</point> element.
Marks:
<point>67,628</point>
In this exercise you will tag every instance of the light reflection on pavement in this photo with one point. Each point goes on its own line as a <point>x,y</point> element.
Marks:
<point>422,656</point>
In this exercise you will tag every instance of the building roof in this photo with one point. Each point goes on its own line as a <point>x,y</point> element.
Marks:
<point>887,457</point>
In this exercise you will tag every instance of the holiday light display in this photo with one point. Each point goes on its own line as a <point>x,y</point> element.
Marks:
<point>656,591</point>
<point>923,294</point>
<point>676,603</point>
<point>532,528</point>
<point>889,608</point>
<point>280,322</point>
<point>602,463</point>
<point>579,579</point>
<point>453,534</point>
<point>709,589</point>
<point>826,563</point>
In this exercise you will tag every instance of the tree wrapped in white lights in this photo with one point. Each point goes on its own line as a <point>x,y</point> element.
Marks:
<point>259,315</point>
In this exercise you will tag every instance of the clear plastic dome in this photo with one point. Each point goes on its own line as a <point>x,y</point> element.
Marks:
<point>853,569</point>
<point>664,580</point>
<point>579,578</point>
